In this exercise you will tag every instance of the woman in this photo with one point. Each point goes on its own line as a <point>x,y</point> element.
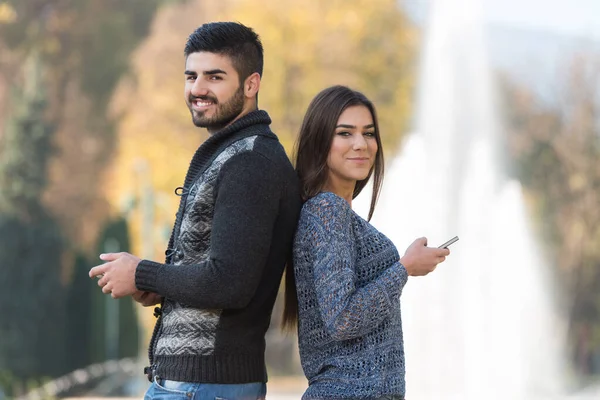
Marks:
<point>349,277</point>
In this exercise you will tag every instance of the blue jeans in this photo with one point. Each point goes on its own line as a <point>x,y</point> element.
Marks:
<point>163,389</point>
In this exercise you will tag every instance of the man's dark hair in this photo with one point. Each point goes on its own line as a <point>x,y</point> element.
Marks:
<point>240,43</point>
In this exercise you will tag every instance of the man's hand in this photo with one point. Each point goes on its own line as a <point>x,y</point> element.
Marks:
<point>147,299</point>
<point>420,260</point>
<point>117,275</point>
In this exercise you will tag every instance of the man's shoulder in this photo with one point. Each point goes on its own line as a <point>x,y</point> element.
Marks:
<point>269,146</point>
<point>262,161</point>
<point>260,147</point>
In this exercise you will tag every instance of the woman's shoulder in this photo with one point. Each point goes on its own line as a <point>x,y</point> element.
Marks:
<point>323,217</point>
<point>326,203</point>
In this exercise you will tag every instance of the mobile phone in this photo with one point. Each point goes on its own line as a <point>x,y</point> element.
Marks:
<point>448,243</point>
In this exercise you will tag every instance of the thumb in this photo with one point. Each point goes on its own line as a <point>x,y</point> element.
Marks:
<point>443,252</point>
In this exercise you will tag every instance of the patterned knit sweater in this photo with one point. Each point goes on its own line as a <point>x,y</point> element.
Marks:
<point>349,280</point>
<point>232,236</point>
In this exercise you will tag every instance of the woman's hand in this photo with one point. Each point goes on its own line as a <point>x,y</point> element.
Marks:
<point>419,260</point>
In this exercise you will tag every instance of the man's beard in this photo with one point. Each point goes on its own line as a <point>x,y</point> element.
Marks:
<point>224,114</point>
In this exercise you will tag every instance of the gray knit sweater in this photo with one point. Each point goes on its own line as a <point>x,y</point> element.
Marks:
<point>349,280</point>
<point>233,234</point>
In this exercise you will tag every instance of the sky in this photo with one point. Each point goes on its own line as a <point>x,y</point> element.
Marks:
<point>568,17</point>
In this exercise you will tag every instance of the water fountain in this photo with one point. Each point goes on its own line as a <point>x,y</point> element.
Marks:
<point>483,325</point>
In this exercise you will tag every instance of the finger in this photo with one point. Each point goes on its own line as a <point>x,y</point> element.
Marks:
<point>102,281</point>
<point>110,256</point>
<point>106,289</point>
<point>441,259</point>
<point>139,296</point>
<point>149,301</point>
<point>441,252</point>
<point>98,270</point>
<point>422,241</point>
<point>144,297</point>
<point>152,300</point>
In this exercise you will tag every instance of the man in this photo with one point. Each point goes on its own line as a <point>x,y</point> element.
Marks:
<point>232,236</point>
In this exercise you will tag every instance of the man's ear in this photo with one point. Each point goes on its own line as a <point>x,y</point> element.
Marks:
<point>252,85</point>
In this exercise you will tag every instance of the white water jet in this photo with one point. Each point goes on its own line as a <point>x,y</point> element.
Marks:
<point>483,325</point>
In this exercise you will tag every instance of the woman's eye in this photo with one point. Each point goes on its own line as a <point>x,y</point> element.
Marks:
<point>344,133</point>
<point>370,134</point>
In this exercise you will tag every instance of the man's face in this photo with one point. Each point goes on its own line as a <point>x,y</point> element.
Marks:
<point>212,90</point>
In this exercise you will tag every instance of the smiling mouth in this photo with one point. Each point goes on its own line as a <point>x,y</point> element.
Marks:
<point>202,104</point>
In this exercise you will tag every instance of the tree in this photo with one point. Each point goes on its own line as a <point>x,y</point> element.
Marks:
<point>53,152</point>
<point>31,244</point>
<point>86,45</point>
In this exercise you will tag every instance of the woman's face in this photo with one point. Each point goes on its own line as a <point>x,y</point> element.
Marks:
<point>353,148</point>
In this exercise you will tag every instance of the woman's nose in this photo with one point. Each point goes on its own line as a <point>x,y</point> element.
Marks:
<point>359,142</point>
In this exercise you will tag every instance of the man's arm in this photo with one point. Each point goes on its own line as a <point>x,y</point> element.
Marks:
<point>246,206</point>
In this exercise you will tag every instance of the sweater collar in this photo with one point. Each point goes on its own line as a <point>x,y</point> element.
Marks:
<point>256,117</point>
<point>237,130</point>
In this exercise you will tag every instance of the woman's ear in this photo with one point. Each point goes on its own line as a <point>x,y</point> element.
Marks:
<point>252,85</point>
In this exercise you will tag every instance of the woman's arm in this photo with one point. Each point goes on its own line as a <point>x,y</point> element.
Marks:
<point>347,311</point>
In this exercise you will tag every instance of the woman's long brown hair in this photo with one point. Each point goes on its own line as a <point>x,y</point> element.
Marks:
<point>311,152</point>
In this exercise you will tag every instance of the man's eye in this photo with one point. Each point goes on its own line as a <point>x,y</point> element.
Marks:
<point>190,78</point>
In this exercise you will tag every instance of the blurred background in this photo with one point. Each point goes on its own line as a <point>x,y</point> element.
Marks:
<point>95,136</point>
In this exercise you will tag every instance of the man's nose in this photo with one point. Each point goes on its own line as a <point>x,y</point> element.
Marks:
<point>199,88</point>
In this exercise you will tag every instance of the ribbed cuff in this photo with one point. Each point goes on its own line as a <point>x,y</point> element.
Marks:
<point>145,276</point>
<point>223,368</point>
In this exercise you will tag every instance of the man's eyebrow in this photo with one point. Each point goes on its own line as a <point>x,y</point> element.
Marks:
<point>209,72</point>
<point>214,72</point>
